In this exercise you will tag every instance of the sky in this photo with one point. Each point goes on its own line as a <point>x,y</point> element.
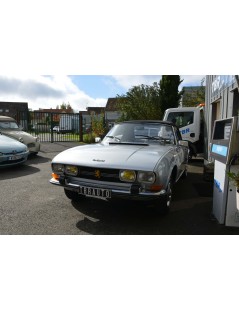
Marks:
<point>80,91</point>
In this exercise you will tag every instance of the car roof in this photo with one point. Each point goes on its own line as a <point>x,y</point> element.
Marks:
<point>150,121</point>
<point>6,118</point>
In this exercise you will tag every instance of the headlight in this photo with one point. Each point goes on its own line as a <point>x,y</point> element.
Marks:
<point>146,177</point>
<point>58,168</point>
<point>127,175</point>
<point>71,170</point>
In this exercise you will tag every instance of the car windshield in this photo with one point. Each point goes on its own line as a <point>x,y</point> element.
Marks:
<point>8,125</point>
<point>147,133</point>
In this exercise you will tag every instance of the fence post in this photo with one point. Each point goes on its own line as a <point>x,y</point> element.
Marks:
<point>81,127</point>
<point>52,138</point>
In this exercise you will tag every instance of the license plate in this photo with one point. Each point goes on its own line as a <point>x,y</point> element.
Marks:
<point>100,193</point>
<point>14,157</point>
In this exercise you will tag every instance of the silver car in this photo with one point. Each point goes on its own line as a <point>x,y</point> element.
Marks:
<point>139,160</point>
<point>12,152</point>
<point>10,128</point>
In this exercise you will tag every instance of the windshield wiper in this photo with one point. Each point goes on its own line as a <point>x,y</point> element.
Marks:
<point>129,143</point>
<point>112,137</point>
<point>149,137</point>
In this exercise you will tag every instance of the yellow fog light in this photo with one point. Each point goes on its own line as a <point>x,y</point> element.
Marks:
<point>127,175</point>
<point>71,170</point>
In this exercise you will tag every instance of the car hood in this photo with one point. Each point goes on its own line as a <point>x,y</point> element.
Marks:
<point>116,156</point>
<point>17,134</point>
<point>7,145</point>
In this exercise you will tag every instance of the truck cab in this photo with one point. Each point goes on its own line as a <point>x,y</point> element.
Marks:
<point>190,121</point>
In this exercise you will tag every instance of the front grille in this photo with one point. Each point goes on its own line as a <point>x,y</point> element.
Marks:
<point>101,174</point>
<point>11,153</point>
<point>11,161</point>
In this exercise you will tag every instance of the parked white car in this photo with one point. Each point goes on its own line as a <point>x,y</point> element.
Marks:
<point>138,160</point>
<point>10,128</point>
<point>56,129</point>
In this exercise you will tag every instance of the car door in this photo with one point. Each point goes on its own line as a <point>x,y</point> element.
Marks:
<point>181,153</point>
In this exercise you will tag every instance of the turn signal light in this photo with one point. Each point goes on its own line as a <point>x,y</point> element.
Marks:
<point>156,188</point>
<point>55,176</point>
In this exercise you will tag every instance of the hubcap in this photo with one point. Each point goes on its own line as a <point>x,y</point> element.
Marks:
<point>169,194</point>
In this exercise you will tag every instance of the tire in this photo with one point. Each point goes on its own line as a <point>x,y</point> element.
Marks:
<point>73,195</point>
<point>165,201</point>
<point>185,174</point>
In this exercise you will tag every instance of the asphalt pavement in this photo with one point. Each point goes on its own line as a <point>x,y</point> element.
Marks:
<point>30,205</point>
<point>191,210</point>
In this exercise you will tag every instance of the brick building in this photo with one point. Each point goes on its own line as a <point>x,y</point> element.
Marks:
<point>12,109</point>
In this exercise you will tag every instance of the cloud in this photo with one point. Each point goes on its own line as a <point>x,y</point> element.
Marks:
<point>128,81</point>
<point>50,91</point>
<point>46,92</point>
<point>28,88</point>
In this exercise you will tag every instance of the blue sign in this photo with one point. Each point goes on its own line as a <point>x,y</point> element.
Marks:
<point>219,149</point>
<point>186,130</point>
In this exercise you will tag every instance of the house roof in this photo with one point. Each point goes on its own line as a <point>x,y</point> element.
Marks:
<point>55,110</point>
<point>111,104</point>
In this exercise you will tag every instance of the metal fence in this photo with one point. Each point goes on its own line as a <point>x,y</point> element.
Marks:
<point>54,127</point>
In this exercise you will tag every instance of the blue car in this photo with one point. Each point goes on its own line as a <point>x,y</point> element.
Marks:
<point>12,152</point>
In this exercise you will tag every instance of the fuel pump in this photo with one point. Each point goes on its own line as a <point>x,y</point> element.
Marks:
<point>225,151</point>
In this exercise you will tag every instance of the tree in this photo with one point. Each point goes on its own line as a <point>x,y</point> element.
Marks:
<point>150,102</point>
<point>140,102</point>
<point>65,106</point>
<point>98,124</point>
<point>194,97</point>
<point>169,94</point>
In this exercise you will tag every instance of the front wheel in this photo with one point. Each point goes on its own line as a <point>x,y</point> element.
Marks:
<point>74,196</point>
<point>185,174</point>
<point>165,201</point>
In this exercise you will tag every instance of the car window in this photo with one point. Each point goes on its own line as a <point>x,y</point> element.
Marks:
<point>181,119</point>
<point>149,133</point>
<point>8,125</point>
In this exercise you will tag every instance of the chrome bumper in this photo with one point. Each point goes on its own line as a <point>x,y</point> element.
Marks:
<point>117,190</point>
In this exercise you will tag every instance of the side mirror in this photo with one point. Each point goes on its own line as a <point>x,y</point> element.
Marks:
<point>20,127</point>
<point>97,140</point>
<point>183,143</point>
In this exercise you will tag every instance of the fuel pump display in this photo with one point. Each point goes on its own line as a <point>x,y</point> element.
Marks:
<point>225,149</point>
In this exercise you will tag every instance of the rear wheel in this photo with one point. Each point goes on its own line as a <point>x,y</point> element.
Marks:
<point>74,196</point>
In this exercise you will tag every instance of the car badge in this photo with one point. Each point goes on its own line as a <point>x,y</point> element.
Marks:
<point>14,152</point>
<point>97,174</point>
